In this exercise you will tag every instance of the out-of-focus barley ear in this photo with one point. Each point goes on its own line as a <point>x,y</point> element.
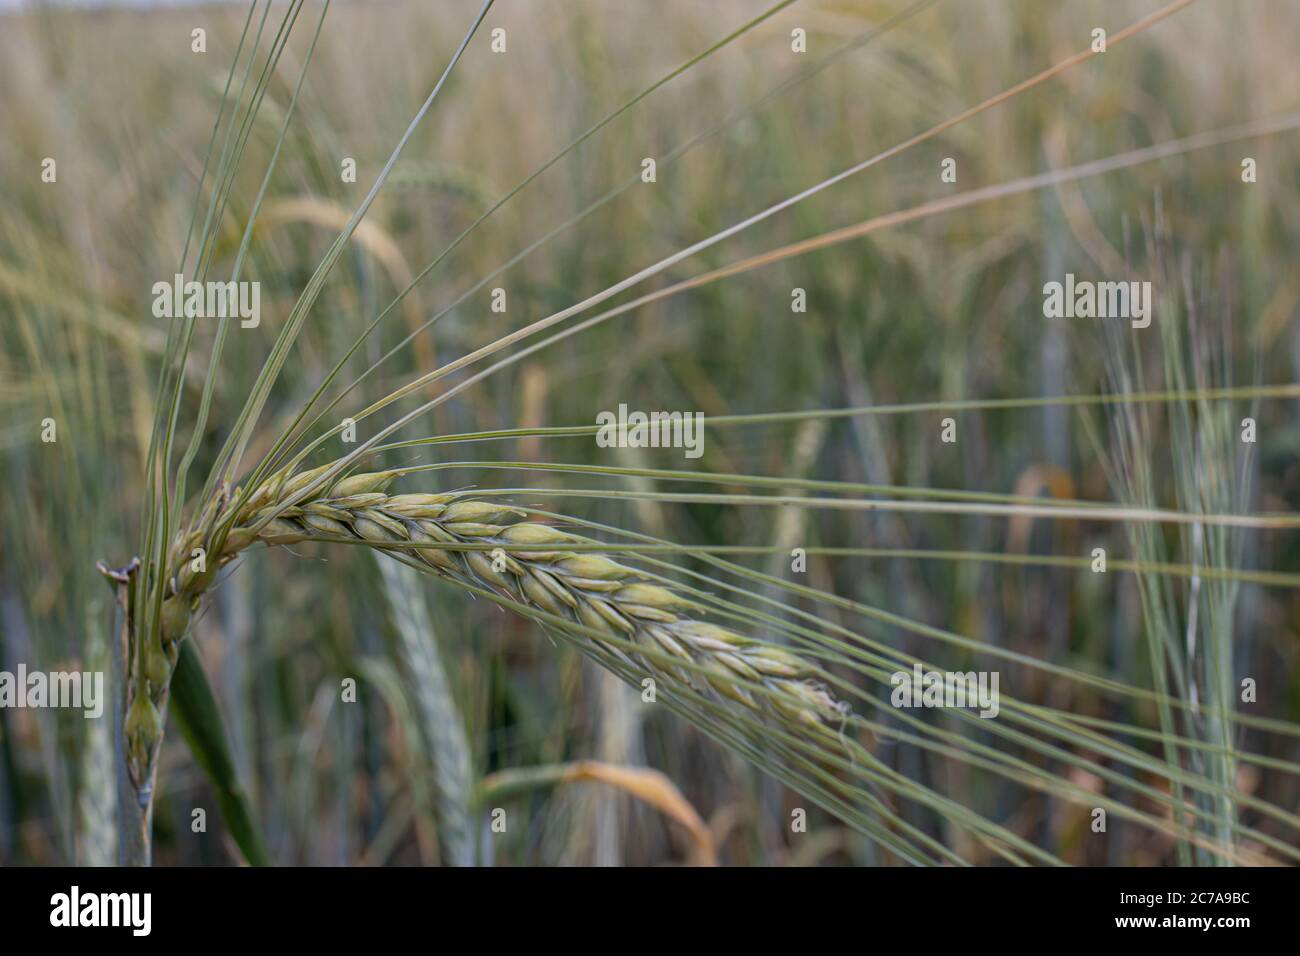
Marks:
<point>440,722</point>
<point>97,834</point>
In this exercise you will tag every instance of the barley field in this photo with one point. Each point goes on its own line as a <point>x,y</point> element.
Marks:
<point>574,432</point>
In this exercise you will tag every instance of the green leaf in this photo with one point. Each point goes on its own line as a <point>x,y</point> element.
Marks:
<point>195,708</point>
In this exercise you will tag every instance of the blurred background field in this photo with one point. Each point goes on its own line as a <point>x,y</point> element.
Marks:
<point>947,308</point>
